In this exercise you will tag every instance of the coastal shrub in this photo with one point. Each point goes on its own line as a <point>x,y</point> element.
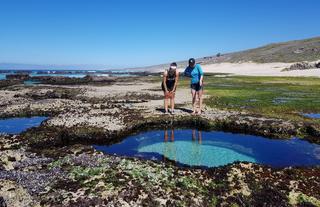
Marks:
<point>82,173</point>
<point>305,200</point>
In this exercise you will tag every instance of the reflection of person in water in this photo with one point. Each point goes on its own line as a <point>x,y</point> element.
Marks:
<point>194,137</point>
<point>196,148</point>
<point>169,148</point>
<point>166,135</point>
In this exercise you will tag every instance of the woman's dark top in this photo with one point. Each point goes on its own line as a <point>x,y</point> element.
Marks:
<point>170,80</point>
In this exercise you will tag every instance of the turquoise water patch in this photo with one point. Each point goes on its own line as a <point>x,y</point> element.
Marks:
<point>18,125</point>
<point>195,154</point>
<point>211,149</point>
<point>31,83</point>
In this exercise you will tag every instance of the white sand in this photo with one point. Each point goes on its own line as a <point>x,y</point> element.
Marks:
<point>256,69</point>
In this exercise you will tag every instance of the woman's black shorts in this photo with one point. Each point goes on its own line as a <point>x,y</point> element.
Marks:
<point>170,85</point>
<point>196,86</point>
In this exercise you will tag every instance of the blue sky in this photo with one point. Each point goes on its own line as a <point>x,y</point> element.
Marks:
<point>129,33</point>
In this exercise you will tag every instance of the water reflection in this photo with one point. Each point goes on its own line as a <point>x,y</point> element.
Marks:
<point>202,148</point>
<point>18,125</point>
<point>170,150</point>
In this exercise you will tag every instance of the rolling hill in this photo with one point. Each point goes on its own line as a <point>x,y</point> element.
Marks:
<point>287,52</point>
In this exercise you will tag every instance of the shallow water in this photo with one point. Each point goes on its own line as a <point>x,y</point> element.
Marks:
<point>281,100</point>
<point>18,125</point>
<point>61,75</point>
<point>313,116</point>
<point>211,149</point>
<point>31,83</point>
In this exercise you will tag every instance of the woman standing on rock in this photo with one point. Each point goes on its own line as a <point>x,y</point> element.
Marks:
<point>194,71</point>
<point>169,86</point>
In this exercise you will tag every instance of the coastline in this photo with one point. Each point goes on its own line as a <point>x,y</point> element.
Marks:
<point>252,69</point>
<point>55,163</point>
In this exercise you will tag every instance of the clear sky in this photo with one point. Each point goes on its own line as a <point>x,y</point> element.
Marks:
<point>129,33</point>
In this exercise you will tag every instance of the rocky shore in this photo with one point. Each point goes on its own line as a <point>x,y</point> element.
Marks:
<point>54,165</point>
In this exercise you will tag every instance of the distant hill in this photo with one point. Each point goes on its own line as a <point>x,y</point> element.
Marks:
<point>287,52</point>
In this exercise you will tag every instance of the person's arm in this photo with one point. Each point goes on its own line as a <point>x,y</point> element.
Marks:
<point>201,74</point>
<point>187,72</point>
<point>176,81</point>
<point>164,81</point>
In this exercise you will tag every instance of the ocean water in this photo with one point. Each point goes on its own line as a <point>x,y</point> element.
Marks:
<point>31,83</point>
<point>18,125</point>
<point>2,76</point>
<point>73,74</point>
<point>212,149</point>
<point>78,75</point>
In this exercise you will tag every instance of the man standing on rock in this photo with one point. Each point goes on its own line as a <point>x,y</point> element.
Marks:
<point>194,71</point>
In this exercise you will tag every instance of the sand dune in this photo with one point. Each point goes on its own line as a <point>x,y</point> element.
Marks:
<point>255,69</point>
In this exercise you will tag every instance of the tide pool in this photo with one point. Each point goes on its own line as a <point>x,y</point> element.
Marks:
<point>211,149</point>
<point>18,125</point>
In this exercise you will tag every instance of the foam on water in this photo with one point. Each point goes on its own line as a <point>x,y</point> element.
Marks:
<point>60,75</point>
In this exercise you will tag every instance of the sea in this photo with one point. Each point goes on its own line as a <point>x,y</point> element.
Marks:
<point>69,73</point>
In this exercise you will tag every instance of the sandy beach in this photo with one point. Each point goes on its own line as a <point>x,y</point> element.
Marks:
<point>255,69</point>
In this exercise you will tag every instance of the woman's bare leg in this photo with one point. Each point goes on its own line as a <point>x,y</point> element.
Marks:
<point>172,104</point>
<point>165,104</point>
<point>200,93</point>
<point>194,96</point>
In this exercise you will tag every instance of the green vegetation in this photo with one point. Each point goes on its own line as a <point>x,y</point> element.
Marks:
<point>292,51</point>
<point>278,97</point>
<point>307,200</point>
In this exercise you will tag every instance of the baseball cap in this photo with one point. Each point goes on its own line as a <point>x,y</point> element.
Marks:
<point>192,61</point>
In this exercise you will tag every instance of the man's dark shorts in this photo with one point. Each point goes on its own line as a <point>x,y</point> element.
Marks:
<point>196,86</point>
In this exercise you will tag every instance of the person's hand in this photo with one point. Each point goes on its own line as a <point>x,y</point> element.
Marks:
<point>201,82</point>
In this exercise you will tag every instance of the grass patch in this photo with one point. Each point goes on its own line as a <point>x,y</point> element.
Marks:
<point>277,97</point>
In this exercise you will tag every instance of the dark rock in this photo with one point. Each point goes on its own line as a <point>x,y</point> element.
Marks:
<point>56,80</point>
<point>6,83</point>
<point>302,66</point>
<point>20,76</point>
<point>2,202</point>
<point>269,196</point>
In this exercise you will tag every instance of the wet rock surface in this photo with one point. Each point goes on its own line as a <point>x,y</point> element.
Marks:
<point>77,175</point>
<point>7,83</point>
<point>60,80</point>
<point>22,76</point>
<point>50,165</point>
